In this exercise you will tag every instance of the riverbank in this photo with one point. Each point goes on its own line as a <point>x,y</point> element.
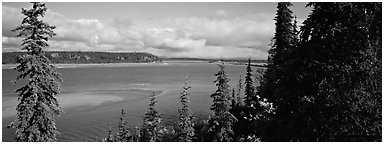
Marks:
<point>11,66</point>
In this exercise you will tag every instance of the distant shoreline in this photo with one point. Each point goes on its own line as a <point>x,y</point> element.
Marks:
<point>74,65</point>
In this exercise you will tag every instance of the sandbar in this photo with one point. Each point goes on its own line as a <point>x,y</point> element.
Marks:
<point>70,100</point>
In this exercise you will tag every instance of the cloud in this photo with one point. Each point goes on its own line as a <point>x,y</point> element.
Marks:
<point>177,43</point>
<point>229,32</point>
<point>251,44</point>
<point>221,13</point>
<point>243,36</point>
<point>11,43</point>
<point>91,32</point>
<point>226,52</point>
<point>80,30</point>
<point>11,18</point>
<point>172,39</point>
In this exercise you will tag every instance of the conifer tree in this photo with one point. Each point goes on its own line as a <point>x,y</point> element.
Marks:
<point>220,122</point>
<point>279,54</point>
<point>38,105</point>
<point>330,89</point>
<point>110,137</point>
<point>123,132</point>
<point>295,40</point>
<point>186,125</point>
<point>248,120</point>
<point>279,82</point>
<point>234,99</point>
<point>237,109</point>
<point>250,98</point>
<point>341,73</point>
<point>151,122</point>
<point>239,90</point>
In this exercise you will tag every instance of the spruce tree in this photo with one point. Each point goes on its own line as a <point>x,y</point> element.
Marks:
<point>341,73</point>
<point>279,84</point>
<point>237,109</point>
<point>110,137</point>
<point>185,125</point>
<point>284,34</point>
<point>220,122</point>
<point>249,118</point>
<point>295,40</point>
<point>279,54</point>
<point>250,98</point>
<point>151,122</point>
<point>239,89</point>
<point>38,105</point>
<point>234,99</point>
<point>123,132</point>
<point>330,89</point>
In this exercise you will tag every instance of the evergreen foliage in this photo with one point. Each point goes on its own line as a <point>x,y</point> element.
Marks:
<point>38,105</point>
<point>220,122</point>
<point>233,99</point>
<point>151,128</point>
<point>341,72</point>
<point>327,85</point>
<point>277,85</point>
<point>250,98</point>
<point>284,35</point>
<point>249,115</point>
<point>122,134</point>
<point>296,32</point>
<point>110,137</point>
<point>239,90</point>
<point>125,133</point>
<point>238,110</point>
<point>185,125</point>
<point>280,54</point>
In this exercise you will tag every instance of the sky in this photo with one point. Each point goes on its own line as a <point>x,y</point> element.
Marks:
<point>168,29</point>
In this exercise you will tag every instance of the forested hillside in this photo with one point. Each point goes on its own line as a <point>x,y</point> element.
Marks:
<point>88,57</point>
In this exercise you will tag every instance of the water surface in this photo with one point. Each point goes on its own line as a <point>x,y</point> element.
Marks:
<point>93,96</point>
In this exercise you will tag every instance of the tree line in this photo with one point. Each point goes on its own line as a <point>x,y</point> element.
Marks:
<point>322,83</point>
<point>81,57</point>
<point>68,57</point>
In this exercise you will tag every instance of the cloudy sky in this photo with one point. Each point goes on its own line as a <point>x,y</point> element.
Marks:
<point>201,30</point>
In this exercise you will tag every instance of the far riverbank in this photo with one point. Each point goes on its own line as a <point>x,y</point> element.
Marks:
<point>11,66</point>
